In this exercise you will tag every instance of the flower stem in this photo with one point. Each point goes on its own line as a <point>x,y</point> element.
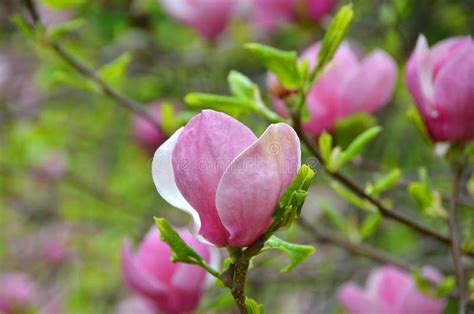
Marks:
<point>238,285</point>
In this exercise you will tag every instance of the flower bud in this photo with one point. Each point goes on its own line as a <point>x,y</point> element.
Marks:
<point>392,291</point>
<point>349,86</point>
<point>227,179</point>
<point>145,133</point>
<point>18,293</point>
<point>207,17</point>
<point>269,14</point>
<point>169,287</point>
<point>441,81</point>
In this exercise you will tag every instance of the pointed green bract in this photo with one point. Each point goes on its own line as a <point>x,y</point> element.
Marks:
<point>114,72</point>
<point>297,253</point>
<point>253,307</point>
<point>227,104</point>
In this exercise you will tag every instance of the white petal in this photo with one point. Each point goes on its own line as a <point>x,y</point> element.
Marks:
<point>163,176</point>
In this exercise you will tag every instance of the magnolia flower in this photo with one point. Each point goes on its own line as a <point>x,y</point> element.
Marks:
<point>350,85</point>
<point>208,17</point>
<point>18,293</point>
<point>145,133</point>
<point>54,252</point>
<point>226,178</point>
<point>169,287</point>
<point>269,14</point>
<point>441,81</point>
<point>391,291</point>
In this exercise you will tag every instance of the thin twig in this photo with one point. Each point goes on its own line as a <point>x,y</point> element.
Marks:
<point>456,239</point>
<point>90,73</point>
<point>326,236</point>
<point>386,212</point>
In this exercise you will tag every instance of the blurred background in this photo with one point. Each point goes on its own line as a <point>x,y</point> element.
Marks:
<point>75,177</point>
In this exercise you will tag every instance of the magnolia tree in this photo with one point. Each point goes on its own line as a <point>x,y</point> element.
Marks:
<point>240,190</point>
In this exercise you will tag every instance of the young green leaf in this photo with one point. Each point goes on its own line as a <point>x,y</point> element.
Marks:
<point>297,253</point>
<point>181,252</point>
<point>228,104</point>
<point>241,86</point>
<point>335,218</point>
<point>333,38</point>
<point>282,63</point>
<point>253,307</point>
<point>370,225</point>
<point>352,198</point>
<point>168,121</point>
<point>114,72</point>
<point>346,130</point>
<point>445,287</point>
<point>63,4</point>
<point>289,206</point>
<point>422,283</point>
<point>355,148</point>
<point>384,183</point>
<point>325,145</point>
<point>57,31</point>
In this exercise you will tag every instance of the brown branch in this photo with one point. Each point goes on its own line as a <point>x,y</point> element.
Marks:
<point>386,212</point>
<point>90,73</point>
<point>456,239</point>
<point>326,236</point>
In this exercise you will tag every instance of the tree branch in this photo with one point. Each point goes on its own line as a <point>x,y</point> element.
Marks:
<point>326,236</point>
<point>90,73</point>
<point>386,212</point>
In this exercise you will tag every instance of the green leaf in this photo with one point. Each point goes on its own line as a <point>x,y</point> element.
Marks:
<point>325,145</point>
<point>422,283</point>
<point>355,148</point>
<point>63,4</point>
<point>346,130</point>
<point>167,114</point>
<point>415,117</point>
<point>114,72</point>
<point>296,252</point>
<point>282,63</point>
<point>23,25</point>
<point>253,307</point>
<point>385,183</point>
<point>59,30</point>
<point>333,38</point>
<point>181,252</point>
<point>241,86</point>
<point>470,186</point>
<point>228,104</point>
<point>452,306</point>
<point>335,218</point>
<point>289,206</point>
<point>428,201</point>
<point>352,198</point>
<point>445,287</point>
<point>370,225</point>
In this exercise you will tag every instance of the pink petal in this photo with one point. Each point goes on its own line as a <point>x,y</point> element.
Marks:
<point>138,279</point>
<point>317,9</point>
<point>454,96</point>
<point>269,14</point>
<point>154,257</point>
<point>445,50</point>
<point>207,145</point>
<point>208,17</point>
<point>253,183</point>
<point>356,301</point>
<point>415,302</point>
<point>368,88</point>
<point>164,179</point>
<point>146,134</point>
<point>387,284</point>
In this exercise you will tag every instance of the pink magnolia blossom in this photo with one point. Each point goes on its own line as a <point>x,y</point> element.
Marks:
<point>145,133</point>
<point>441,80</point>
<point>226,178</point>
<point>350,85</point>
<point>135,304</point>
<point>18,293</point>
<point>169,287</point>
<point>54,252</point>
<point>208,17</point>
<point>391,291</point>
<point>270,14</point>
